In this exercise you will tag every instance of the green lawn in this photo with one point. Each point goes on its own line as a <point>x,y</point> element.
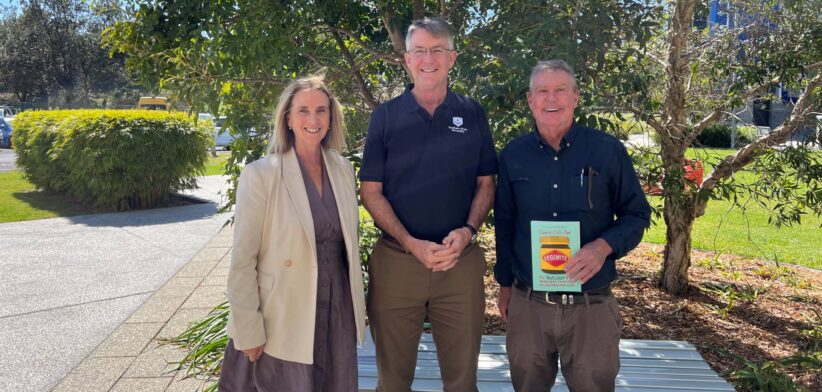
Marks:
<point>21,201</point>
<point>216,166</point>
<point>728,230</point>
<point>733,232</point>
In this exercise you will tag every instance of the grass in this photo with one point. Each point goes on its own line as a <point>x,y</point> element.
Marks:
<point>728,230</point>
<point>21,201</point>
<point>750,235</point>
<point>216,165</point>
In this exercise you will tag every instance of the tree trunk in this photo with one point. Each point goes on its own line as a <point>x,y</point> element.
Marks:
<point>679,219</point>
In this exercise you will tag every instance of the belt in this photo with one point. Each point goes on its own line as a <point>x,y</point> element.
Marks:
<point>557,298</point>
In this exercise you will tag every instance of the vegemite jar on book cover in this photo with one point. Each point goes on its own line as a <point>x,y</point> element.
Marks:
<point>552,245</point>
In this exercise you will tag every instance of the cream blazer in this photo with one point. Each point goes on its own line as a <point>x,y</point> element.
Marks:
<point>272,283</point>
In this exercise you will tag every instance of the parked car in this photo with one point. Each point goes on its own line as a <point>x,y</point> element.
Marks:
<point>5,132</point>
<point>222,138</point>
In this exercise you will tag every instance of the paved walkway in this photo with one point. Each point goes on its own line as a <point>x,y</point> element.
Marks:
<point>68,283</point>
<point>130,359</point>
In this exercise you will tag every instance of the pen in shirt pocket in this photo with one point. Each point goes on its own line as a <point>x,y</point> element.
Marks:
<point>590,172</point>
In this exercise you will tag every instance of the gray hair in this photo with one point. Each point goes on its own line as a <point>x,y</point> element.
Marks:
<point>552,65</point>
<point>437,26</point>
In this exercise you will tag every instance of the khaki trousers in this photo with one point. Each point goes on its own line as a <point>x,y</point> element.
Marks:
<point>401,292</point>
<point>585,338</point>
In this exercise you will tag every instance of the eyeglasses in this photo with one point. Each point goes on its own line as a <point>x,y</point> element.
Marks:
<point>436,51</point>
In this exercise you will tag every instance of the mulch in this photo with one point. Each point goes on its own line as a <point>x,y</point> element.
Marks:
<point>751,308</point>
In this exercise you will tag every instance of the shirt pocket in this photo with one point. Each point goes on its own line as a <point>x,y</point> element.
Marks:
<point>587,192</point>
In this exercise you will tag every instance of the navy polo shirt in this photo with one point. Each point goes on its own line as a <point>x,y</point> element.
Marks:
<point>428,165</point>
<point>537,183</point>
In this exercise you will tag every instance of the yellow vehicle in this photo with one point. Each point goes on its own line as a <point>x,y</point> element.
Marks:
<point>153,103</point>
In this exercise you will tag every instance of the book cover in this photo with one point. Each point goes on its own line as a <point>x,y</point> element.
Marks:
<point>552,245</point>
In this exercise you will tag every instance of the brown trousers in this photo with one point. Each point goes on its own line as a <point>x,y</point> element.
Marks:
<point>585,338</point>
<point>401,292</point>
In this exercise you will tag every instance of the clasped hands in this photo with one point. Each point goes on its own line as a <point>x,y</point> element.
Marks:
<point>440,257</point>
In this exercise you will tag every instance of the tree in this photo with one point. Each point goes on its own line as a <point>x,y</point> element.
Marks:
<point>692,79</point>
<point>52,51</point>
<point>233,57</point>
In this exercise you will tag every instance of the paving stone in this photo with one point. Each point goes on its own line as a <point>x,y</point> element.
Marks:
<point>157,309</point>
<point>181,320</point>
<point>94,374</point>
<point>215,281</point>
<point>224,263</point>
<point>221,241</point>
<point>208,253</point>
<point>219,271</point>
<point>182,383</point>
<point>205,297</point>
<point>158,384</point>
<point>196,268</point>
<point>156,361</point>
<point>128,340</point>
<point>178,286</point>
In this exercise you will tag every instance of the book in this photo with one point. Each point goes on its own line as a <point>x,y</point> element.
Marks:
<point>552,245</point>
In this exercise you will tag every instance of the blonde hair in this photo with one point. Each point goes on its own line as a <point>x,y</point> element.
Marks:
<point>282,138</point>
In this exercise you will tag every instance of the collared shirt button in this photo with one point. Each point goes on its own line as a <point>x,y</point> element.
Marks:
<point>555,214</point>
<point>555,186</point>
<point>556,158</point>
<point>288,263</point>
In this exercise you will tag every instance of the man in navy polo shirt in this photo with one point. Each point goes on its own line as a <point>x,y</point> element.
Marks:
<point>564,172</point>
<point>427,180</point>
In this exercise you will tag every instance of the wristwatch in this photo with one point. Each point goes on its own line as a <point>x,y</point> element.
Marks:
<point>473,232</point>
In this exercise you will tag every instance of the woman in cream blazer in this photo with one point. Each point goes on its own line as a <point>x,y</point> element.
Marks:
<point>277,330</point>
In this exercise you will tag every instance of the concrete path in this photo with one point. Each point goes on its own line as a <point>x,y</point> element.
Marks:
<point>7,158</point>
<point>68,283</point>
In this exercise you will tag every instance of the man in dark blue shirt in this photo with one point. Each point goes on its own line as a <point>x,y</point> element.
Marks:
<point>564,172</point>
<point>427,180</point>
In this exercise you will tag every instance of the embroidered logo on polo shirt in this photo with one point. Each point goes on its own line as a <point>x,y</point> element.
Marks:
<point>458,125</point>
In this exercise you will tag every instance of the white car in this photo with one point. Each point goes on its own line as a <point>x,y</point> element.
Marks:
<point>222,138</point>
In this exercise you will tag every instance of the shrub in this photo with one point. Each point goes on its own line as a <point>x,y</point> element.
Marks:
<point>718,135</point>
<point>112,159</point>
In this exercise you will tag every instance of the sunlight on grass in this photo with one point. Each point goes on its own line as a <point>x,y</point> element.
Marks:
<point>20,201</point>
<point>216,165</point>
<point>749,234</point>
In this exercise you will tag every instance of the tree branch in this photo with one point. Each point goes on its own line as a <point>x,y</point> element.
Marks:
<point>397,38</point>
<point>714,116</point>
<point>418,9</point>
<point>355,72</point>
<point>673,113</point>
<point>745,155</point>
<point>391,58</point>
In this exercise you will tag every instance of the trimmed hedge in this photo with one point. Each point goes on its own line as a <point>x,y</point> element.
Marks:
<point>111,159</point>
<point>718,135</point>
